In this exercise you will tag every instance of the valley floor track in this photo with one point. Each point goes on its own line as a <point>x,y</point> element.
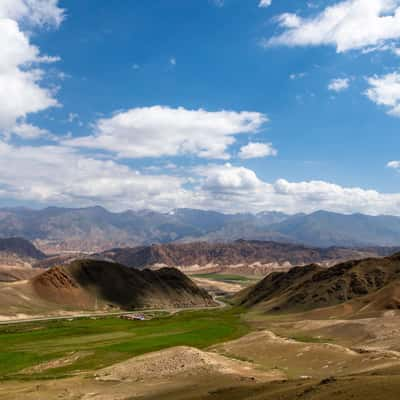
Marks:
<point>219,305</point>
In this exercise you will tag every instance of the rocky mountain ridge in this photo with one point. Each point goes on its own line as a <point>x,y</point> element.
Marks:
<point>369,284</point>
<point>94,229</point>
<point>255,257</point>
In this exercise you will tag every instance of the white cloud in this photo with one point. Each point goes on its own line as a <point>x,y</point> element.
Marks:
<point>347,25</point>
<point>264,3</point>
<point>393,164</point>
<point>36,12</point>
<point>385,90</point>
<point>234,189</point>
<point>163,131</point>
<point>172,61</point>
<point>339,84</point>
<point>222,178</point>
<point>19,75</point>
<point>288,20</point>
<point>58,175</point>
<point>319,194</point>
<point>28,131</point>
<point>298,75</point>
<point>257,150</point>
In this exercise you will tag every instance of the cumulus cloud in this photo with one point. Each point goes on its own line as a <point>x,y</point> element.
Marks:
<point>233,189</point>
<point>29,131</point>
<point>36,12</point>
<point>385,90</point>
<point>20,76</point>
<point>339,84</point>
<point>264,3</point>
<point>59,175</point>
<point>222,178</point>
<point>257,150</point>
<point>347,25</point>
<point>335,197</point>
<point>163,131</point>
<point>393,164</point>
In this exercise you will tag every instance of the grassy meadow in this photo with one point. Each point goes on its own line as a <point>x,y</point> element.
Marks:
<point>103,341</point>
<point>229,278</point>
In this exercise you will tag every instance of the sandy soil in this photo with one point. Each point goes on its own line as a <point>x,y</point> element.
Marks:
<point>184,361</point>
<point>256,269</point>
<point>378,333</point>
<point>217,286</point>
<point>12,272</point>
<point>306,359</point>
<point>186,370</point>
<point>18,300</point>
<point>61,362</point>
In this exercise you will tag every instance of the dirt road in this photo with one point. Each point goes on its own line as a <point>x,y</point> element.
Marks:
<point>220,304</point>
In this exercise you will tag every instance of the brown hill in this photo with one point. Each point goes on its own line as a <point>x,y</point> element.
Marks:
<point>372,281</point>
<point>16,273</point>
<point>214,257</point>
<point>91,284</point>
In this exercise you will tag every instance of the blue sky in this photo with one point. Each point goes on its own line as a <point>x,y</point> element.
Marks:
<point>228,105</point>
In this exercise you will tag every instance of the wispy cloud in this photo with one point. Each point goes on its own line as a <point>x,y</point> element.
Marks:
<point>264,3</point>
<point>339,84</point>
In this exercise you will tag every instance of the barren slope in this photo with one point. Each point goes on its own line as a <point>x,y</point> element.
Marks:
<point>245,257</point>
<point>89,284</point>
<point>310,287</point>
<point>97,285</point>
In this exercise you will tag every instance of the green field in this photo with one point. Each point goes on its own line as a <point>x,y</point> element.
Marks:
<point>105,341</point>
<point>227,278</point>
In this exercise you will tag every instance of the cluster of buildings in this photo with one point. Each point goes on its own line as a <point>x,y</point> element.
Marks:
<point>133,317</point>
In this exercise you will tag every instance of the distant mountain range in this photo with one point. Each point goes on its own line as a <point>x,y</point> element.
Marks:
<point>95,229</point>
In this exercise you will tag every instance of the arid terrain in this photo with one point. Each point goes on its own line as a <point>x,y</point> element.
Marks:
<point>199,200</point>
<point>284,357</point>
<point>32,283</point>
<point>312,332</point>
<point>241,257</point>
<point>90,285</point>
